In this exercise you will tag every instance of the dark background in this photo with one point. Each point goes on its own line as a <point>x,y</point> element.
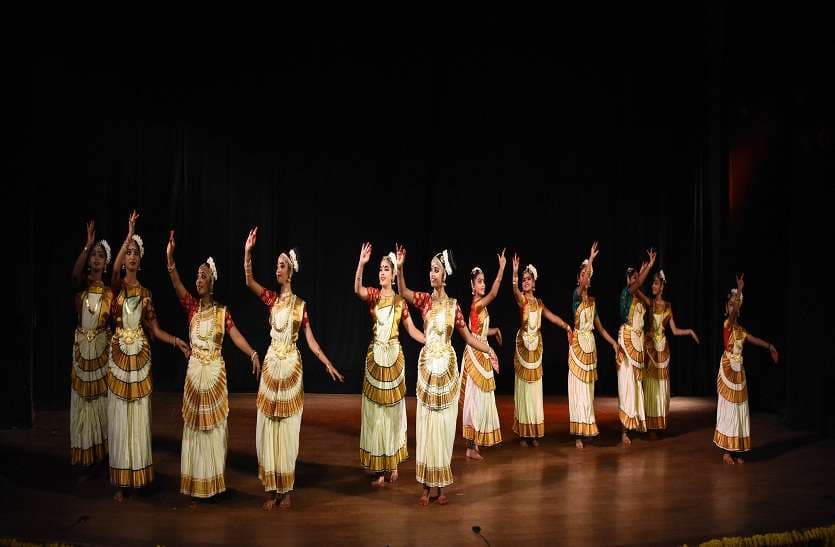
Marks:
<point>706,133</point>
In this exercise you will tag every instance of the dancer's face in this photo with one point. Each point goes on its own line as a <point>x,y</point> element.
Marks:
<point>657,287</point>
<point>204,281</point>
<point>528,284</point>
<point>282,270</point>
<point>386,273</point>
<point>133,257</point>
<point>97,259</point>
<point>436,274</point>
<point>479,285</point>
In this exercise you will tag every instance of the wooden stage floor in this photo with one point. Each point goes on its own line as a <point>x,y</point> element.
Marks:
<point>670,491</point>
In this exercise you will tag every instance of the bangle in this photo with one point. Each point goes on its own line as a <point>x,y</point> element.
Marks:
<point>253,355</point>
<point>85,248</point>
<point>172,267</point>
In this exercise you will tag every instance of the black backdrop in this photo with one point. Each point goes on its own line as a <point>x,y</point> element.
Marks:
<point>540,139</point>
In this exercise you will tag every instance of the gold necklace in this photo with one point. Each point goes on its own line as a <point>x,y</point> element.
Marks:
<point>210,330</point>
<point>93,312</point>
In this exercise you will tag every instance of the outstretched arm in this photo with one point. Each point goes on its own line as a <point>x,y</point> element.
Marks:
<point>241,343</point>
<point>413,331</point>
<point>555,319</point>
<point>681,332</point>
<point>763,344</point>
<point>317,351</point>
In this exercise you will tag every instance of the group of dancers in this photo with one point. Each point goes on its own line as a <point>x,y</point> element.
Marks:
<point>112,386</point>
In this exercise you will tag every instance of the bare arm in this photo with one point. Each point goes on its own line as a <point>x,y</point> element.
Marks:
<point>78,267</point>
<point>123,250</point>
<point>642,274</point>
<point>166,337</point>
<point>179,288</point>
<point>475,342</point>
<point>605,334</point>
<point>253,285</point>
<point>413,331</point>
<point>681,332</point>
<point>241,343</point>
<point>775,356</point>
<point>365,256</point>
<point>404,291</point>
<point>317,351</point>
<point>517,294</point>
<point>555,319</point>
<point>494,290</point>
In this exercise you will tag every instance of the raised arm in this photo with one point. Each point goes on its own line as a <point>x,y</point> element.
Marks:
<point>635,287</point>
<point>179,288</point>
<point>365,256</point>
<point>494,290</point>
<point>241,343</point>
<point>253,285</point>
<point>78,267</point>
<point>681,332</point>
<point>517,294</point>
<point>404,291</point>
<point>120,256</point>
<point>413,331</point>
<point>317,351</point>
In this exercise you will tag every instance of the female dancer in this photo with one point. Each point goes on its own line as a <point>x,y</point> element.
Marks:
<point>88,396</point>
<point>630,363</point>
<point>437,386</point>
<point>529,414</point>
<point>480,418</point>
<point>733,424</point>
<point>383,432</point>
<point>129,379</point>
<point>657,378</point>
<point>280,393</point>
<point>205,398</point>
<point>582,354</point>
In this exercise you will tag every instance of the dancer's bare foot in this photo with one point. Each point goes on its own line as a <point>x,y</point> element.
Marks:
<point>474,455</point>
<point>442,499</point>
<point>285,501</point>
<point>119,495</point>
<point>269,503</point>
<point>534,443</point>
<point>740,461</point>
<point>424,499</point>
<point>379,481</point>
<point>579,443</point>
<point>394,476</point>
<point>624,438</point>
<point>727,459</point>
<point>523,442</point>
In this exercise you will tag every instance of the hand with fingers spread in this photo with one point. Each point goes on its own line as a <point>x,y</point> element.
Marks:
<point>401,254</point>
<point>250,240</point>
<point>502,260</point>
<point>515,264</point>
<point>256,365</point>
<point>169,249</point>
<point>335,375</point>
<point>593,252</point>
<point>740,282</point>
<point>91,234</point>
<point>134,216</point>
<point>365,253</point>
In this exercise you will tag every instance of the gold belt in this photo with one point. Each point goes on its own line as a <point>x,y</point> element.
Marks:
<point>205,356</point>
<point>129,336</point>
<point>89,334</point>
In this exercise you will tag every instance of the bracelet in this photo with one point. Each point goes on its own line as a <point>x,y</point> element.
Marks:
<point>173,340</point>
<point>253,355</point>
<point>172,267</point>
<point>86,247</point>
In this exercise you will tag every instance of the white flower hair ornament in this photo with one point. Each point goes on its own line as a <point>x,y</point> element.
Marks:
<point>476,271</point>
<point>445,260</point>
<point>662,276</point>
<point>294,259</point>
<point>106,246</point>
<point>139,243</point>
<point>393,259</point>
<point>585,263</point>
<point>531,269</point>
<point>211,262</point>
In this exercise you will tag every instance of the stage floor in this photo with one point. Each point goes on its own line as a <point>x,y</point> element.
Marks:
<point>670,491</point>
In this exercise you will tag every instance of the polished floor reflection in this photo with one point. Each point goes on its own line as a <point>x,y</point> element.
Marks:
<point>666,491</point>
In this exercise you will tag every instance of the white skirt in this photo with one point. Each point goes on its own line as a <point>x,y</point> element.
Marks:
<point>435,435</point>
<point>383,435</point>
<point>529,413</point>
<point>581,407</point>
<point>277,445</point>
<point>480,417</point>
<point>129,442</point>
<point>88,429</point>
